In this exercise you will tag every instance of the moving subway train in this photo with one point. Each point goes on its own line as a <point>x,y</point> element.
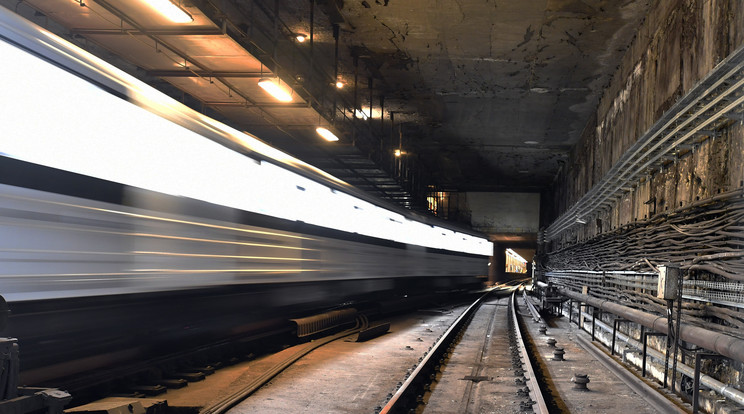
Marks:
<point>110,189</point>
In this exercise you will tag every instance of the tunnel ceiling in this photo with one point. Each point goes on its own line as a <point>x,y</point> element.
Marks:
<point>481,95</point>
<point>503,89</point>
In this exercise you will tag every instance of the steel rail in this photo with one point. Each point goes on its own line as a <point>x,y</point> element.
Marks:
<point>407,391</point>
<point>675,128</point>
<point>726,345</point>
<point>533,310</point>
<point>540,406</point>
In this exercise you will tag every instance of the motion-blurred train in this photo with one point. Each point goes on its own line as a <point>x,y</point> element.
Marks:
<point>117,199</point>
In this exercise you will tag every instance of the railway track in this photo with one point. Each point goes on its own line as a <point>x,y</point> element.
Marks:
<point>161,376</point>
<point>491,323</point>
<point>432,387</point>
<point>460,358</point>
<point>475,354</point>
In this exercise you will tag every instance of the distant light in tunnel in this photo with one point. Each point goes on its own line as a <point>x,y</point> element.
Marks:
<point>274,89</point>
<point>515,255</point>
<point>531,142</point>
<point>326,134</point>
<point>170,10</point>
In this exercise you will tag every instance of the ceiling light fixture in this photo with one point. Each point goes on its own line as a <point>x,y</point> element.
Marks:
<point>326,134</point>
<point>339,84</point>
<point>361,114</point>
<point>300,37</point>
<point>171,10</point>
<point>398,153</point>
<point>274,89</point>
<point>531,142</point>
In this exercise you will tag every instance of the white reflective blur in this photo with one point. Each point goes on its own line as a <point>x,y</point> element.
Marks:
<point>54,118</point>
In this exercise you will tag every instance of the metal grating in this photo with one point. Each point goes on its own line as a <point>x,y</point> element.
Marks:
<point>719,293</point>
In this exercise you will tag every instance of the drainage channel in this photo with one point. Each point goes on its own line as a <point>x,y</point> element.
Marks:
<point>479,364</point>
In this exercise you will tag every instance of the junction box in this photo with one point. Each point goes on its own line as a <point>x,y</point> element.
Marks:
<point>668,280</point>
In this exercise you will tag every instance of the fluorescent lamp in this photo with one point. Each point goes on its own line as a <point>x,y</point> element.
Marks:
<point>170,10</point>
<point>326,134</point>
<point>272,87</point>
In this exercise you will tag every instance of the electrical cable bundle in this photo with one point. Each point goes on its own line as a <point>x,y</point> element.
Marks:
<point>706,237</point>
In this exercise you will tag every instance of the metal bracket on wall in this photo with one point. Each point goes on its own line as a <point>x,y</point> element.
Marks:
<point>696,381</point>
<point>645,350</point>
<point>615,323</point>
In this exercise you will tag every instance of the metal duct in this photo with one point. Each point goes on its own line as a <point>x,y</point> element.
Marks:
<point>726,390</point>
<point>726,345</point>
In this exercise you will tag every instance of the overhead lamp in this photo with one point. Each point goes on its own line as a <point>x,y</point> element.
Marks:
<point>398,152</point>
<point>171,11</point>
<point>326,134</point>
<point>274,89</point>
<point>361,114</point>
<point>300,37</point>
<point>340,84</point>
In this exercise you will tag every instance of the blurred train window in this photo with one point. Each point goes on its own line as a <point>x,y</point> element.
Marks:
<point>54,118</point>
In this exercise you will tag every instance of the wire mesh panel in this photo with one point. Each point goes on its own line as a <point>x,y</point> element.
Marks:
<point>720,293</point>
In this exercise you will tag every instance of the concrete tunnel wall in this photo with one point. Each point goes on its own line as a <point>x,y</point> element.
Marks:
<point>677,45</point>
<point>516,213</point>
<point>510,219</point>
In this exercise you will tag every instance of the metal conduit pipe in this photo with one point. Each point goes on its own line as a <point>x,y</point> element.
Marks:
<point>707,381</point>
<point>726,345</point>
<point>535,314</point>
